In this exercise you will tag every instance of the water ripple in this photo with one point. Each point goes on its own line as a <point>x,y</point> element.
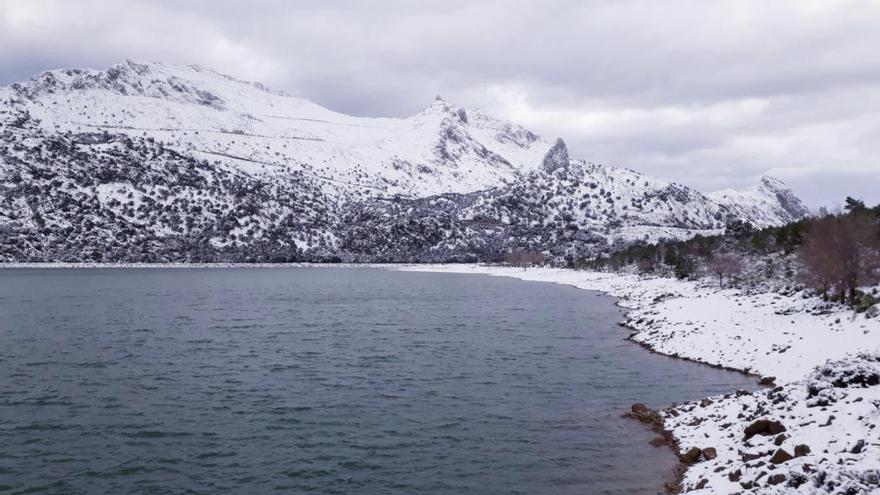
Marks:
<point>323,381</point>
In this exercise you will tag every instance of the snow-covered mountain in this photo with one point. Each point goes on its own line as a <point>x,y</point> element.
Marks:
<point>252,128</point>
<point>147,161</point>
<point>764,203</point>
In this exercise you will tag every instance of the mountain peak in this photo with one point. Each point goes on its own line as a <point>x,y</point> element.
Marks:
<point>784,196</point>
<point>772,183</point>
<point>770,197</point>
<point>438,104</point>
<point>557,157</point>
<point>133,77</point>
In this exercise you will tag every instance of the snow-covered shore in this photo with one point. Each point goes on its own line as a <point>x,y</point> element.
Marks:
<point>814,432</point>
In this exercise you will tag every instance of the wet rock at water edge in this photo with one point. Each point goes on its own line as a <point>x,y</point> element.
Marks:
<point>639,409</point>
<point>767,381</point>
<point>692,455</point>
<point>646,415</point>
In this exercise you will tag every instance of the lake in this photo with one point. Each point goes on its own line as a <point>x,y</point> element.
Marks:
<point>325,380</point>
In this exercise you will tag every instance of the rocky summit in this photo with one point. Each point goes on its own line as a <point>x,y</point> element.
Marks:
<point>151,162</point>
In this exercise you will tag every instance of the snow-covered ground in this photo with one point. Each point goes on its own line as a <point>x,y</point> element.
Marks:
<point>820,433</point>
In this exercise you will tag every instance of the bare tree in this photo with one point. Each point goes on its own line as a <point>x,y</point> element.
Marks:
<point>523,259</point>
<point>535,258</point>
<point>840,253</point>
<point>818,255</point>
<point>646,265</point>
<point>725,265</point>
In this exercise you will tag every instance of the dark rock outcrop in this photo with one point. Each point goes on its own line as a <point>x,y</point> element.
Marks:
<point>557,157</point>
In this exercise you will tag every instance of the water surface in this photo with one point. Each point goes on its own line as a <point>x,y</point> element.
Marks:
<point>294,380</point>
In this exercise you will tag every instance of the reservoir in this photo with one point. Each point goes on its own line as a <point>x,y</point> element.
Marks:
<point>327,381</point>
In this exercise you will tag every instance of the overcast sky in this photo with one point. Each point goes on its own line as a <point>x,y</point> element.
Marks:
<point>709,94</point>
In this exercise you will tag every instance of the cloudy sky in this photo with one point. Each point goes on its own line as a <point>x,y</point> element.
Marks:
<point>711,94</point>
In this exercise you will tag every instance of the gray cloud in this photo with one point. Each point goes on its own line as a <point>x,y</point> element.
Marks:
<point>708,93</point>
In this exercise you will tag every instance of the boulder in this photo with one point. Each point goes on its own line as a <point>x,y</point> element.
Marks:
<point>751,456</point>
<point>767,381</point>
<point>764,427</point>
<point>801,450</point>
<point>858,448</point>
<point>691,456</point>
<point>776,479</point>
<point>775,427</point>
<point>710,453</point>
<point>781,456</point>
<point>639,409</point>
<point>646,415</point>
<point>735,476</point>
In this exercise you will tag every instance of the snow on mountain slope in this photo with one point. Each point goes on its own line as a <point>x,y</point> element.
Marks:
<point>764,203</point>
<point>151,162</point>
<point>248,126</point>
<point>577,209</point>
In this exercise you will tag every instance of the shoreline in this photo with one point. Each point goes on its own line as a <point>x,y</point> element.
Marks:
<point>650,417</point>
<point>823,375</point>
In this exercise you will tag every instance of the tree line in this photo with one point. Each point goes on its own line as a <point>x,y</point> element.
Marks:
<point>835,254</point>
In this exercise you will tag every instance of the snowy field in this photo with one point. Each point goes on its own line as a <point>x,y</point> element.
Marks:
<point>814,431</point>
